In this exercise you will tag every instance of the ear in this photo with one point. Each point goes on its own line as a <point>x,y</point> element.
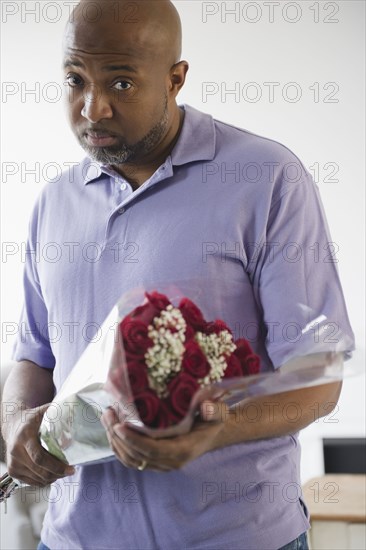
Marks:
<point>177,77</point>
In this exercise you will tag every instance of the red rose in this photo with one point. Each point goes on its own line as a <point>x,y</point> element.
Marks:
<point>145,313</point>
<point>135,337</point>
<point>166,416</point>
<point>217,326</point>
<point>160,301</point>
<point>189,333</point>
<point>233,368</point>
<point>137,376</point>
<point>192,315</point>
<point>147,404</point>
<point>181,390</point>
<point>243,349</point>
<point>252,364</point>
<point>194,360</point>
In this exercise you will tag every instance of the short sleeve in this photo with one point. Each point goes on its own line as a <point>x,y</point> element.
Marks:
<point>32,342</point>
<point>297,279</point>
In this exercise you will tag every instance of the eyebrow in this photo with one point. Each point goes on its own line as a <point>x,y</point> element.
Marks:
<point>107,68</point>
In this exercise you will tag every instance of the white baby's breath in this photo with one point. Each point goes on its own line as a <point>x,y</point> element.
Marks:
<point>215,347</point>
<point>165,357</point>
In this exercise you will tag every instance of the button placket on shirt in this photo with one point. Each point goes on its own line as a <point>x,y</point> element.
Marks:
<point>122,186</point>
<point>121,193</point>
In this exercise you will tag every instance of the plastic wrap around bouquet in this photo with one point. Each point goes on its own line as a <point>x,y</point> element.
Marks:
<point>162,361</point>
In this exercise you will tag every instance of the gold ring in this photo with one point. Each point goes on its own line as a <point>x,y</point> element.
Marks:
<point>142,465</point>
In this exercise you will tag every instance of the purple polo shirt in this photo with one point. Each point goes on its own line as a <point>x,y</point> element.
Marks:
<point>236,220</point>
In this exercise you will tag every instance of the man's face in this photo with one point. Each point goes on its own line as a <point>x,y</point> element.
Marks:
<point>118,100</point>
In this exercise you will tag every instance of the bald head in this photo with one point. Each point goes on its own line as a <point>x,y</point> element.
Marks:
<point>152,27</point>
<point>123,70</point>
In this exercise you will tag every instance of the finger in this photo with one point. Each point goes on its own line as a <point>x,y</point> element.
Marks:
<point>213,411</point>
<point>133,459</point>
<point>130,457</point>
<point>19,462</point>
<point>158,464</point>
<point>24,473</point>
<point>139,443</point>
<point>44,464</point>
<point>109,418</point>
<point>155,451</point>
<point>41,461</point>
<point>32,482</point>
<point>31,479</point>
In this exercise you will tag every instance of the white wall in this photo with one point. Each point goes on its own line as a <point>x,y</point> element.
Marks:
<point>313,49</point>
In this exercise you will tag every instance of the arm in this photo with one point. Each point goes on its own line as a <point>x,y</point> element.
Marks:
<point>277,415</point>
<point>260,418</point>
<point>27,393</point>
<point>287,412</point>
<point>28,386</point>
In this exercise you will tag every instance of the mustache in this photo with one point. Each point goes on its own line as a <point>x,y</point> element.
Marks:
<point>98,131</point>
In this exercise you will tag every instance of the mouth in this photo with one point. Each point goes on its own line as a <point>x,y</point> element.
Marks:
<point>100,139</point>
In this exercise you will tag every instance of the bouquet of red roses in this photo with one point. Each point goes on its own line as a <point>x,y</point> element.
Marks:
<point>170,353</point>
<point>160,364</point>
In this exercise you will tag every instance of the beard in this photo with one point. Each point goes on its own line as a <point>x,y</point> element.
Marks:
<point>121,152</point>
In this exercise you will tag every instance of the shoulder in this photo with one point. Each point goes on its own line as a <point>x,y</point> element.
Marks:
<point>58,192</point>
<point>259,159</point>
<point>232,140</point>
<point>68,184</point>
<point>245,142</point>
<point>73,177</point>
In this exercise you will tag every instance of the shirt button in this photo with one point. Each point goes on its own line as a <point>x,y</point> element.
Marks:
<point>121,211</point>
<point>123,186</point>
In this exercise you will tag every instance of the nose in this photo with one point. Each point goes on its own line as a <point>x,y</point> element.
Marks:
<point>96,105</point>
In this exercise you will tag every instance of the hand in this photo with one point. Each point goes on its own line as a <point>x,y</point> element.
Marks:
<point>134,449</point>
<point>27,460</point>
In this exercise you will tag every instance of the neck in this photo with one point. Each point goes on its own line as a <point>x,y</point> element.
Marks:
<point>137,173</point>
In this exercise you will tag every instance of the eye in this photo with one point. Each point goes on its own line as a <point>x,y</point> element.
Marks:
<point>122,85</point>
<point>73,80</point>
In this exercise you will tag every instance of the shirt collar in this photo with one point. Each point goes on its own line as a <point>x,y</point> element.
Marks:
<point>197,141</point>
<point>92,170</point>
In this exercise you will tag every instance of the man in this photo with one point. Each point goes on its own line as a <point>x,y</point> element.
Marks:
<point>152,201</point>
